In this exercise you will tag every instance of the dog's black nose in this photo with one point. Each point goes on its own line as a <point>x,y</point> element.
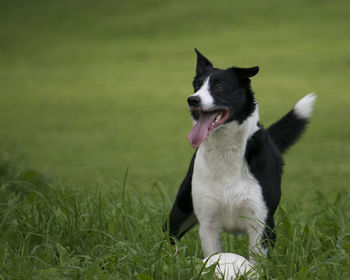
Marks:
<point>194,101</point>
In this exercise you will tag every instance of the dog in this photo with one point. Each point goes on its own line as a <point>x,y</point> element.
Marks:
<point>233,183</point>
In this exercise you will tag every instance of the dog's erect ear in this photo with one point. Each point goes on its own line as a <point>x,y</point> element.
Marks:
<point>250,72</point>
<point>203,64</point>
<point>243,73</point>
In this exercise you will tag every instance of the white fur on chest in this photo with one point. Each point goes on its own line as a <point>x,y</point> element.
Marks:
<point>230,201</point>
<point>225,194</point>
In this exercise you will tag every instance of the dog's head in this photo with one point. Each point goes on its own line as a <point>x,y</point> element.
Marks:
<point>220,97</point>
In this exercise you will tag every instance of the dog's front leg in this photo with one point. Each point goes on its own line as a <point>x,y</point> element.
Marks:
<point>255,232</point>
<point>210,238</point>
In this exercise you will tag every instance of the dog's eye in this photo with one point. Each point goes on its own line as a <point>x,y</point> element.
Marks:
<point>219,87</point>
<point>196,88</point>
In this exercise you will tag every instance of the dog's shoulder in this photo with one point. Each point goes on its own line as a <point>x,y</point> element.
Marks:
<point>260,146</point>
<point>266,164</point>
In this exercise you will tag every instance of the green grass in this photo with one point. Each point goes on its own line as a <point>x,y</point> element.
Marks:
<point>53,232</point>
<point>89,90</point>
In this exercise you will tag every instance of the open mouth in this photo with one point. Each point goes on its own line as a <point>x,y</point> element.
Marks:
<point>206,124</point>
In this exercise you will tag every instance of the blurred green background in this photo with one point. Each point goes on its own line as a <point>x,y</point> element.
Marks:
<point>88,88</point>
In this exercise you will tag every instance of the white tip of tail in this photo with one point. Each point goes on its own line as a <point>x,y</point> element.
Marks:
<point>303,108</point>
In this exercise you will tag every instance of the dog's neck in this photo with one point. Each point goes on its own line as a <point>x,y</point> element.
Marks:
<point>227,145</point>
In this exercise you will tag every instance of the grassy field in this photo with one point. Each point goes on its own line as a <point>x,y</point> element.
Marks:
<point>90,89</point>
<point>54,232</point>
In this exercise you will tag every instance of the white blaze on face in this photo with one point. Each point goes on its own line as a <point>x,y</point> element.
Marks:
<point>201,127</point>
<point>207,101</point>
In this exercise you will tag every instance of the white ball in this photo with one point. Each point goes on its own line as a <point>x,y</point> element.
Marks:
<point>231,266</point>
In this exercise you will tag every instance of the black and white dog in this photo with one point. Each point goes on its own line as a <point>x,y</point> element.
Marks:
<point>233,182</point>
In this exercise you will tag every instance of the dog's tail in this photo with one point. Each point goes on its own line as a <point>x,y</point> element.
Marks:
<point>286,131</point>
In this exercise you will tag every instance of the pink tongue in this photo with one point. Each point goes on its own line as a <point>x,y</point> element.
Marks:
<point>201,130</point>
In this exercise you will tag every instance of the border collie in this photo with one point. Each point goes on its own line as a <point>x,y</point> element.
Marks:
<point>234,180</point>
